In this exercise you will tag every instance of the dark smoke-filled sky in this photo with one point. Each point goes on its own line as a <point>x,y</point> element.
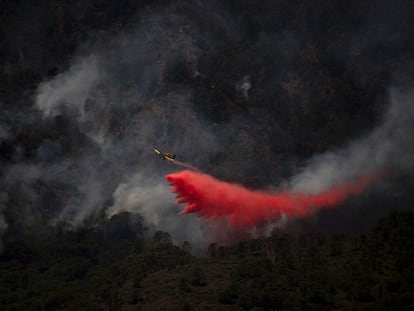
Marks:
<point>274,95</point>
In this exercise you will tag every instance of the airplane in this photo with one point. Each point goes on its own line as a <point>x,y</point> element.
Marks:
<point>165,156</point>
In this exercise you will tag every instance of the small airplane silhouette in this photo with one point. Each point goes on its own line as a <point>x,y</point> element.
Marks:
<point>165,156</point>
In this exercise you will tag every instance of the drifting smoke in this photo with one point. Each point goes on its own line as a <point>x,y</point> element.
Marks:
<point>326,181</point>
<point>114,105</point>
<point>244,86</point>
<point>112,101</point>
<point>151,197</point>
<point>69,90</point>
<point>388,147</point>
<point>3,223</point>
<point>139,194</point>
<point>207,197</point>
<point>4,132</point>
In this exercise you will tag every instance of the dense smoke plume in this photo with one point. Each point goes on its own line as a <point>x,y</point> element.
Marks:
<point>388,147</point>
<point>69,90</point>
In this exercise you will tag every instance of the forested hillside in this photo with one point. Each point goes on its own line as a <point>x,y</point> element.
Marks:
<point>279,97</point>
<point>99,270</point>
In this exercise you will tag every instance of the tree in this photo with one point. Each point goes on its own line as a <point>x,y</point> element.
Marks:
<point>161,237</point>
<point>187,246</point>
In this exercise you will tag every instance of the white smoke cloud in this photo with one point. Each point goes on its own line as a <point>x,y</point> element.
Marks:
<point>87,199</point>
<point>140,196</point>
<point>244,86</point>
<point>152,198</point>
<point>389,147</point>
<point>69,90</point>
<point>83,193</point>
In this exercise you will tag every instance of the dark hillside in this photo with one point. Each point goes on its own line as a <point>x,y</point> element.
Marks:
<point>92,270</point>
<point>278,96</point>
<point>38,38</point>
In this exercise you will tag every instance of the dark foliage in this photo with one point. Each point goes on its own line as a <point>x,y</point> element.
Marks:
<point>312,271</point>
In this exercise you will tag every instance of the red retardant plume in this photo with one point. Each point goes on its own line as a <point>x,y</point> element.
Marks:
<point>212,199</point>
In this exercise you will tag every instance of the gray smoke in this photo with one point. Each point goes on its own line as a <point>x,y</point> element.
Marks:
<point>124,98</point>
<point>70,89</point>
<point>152,198</point>
<point>244,86</point>
<point>4,132</point>
<point>389,147</point>
<point>3,223</point>
<point>113,98</point>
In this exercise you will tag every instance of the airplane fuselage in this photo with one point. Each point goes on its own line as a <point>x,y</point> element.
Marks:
<point>165,156</point>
